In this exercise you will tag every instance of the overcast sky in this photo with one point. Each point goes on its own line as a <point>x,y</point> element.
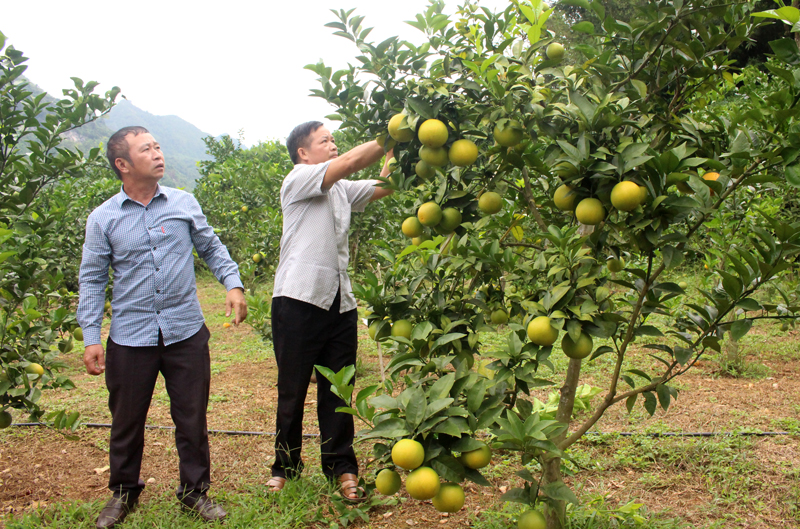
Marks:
<point>222,66</point>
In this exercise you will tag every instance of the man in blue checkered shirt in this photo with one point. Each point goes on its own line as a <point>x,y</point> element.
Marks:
<point>145,234</point>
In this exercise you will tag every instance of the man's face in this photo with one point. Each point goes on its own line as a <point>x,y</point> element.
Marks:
<point>146,157</point>
<point>321,147</point>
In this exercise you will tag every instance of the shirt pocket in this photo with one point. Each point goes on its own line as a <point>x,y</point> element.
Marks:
<point>172,236</point>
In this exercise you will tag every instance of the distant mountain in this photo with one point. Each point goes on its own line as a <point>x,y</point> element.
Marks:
<point>181,141</point>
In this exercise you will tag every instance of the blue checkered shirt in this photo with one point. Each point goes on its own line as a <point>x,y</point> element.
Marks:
<point>150,250</point>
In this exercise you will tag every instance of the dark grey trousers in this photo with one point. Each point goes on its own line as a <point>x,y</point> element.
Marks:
<point>131,374</point>
<point>305,335</point>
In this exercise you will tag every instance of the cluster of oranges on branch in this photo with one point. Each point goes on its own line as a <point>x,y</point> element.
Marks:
<point>433,135</point>
<point>422,482</point>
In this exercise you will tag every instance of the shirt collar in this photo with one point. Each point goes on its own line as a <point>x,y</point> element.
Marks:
<point>122,196</point>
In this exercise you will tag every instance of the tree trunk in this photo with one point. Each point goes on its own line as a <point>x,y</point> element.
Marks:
<point>555,514</point>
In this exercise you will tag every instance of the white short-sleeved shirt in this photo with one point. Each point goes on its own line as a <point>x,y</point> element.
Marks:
<point>314,246</point>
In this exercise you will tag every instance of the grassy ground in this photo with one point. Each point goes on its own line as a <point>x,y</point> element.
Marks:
<point>708,482</point>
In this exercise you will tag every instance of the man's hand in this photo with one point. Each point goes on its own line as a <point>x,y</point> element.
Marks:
<point>235,302</point>
<point>381,192</point>
<point>94,358</point>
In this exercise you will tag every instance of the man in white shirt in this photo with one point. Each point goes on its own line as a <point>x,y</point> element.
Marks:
<point>314,314</point>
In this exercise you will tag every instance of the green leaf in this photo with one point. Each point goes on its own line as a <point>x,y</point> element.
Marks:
<point>650,403</point>
<point>672,256</point>
<point>740,328</point>
<point>663,396</point>
<point>386,402</point>
<point>421,106</point>
<point>476,477</point>
<point>416,409</point>
<point>640,87</point>
<point>466,444</point>
<point>446,339</point>
<point>648,330</point>
<point>455,427</point>
<point>793,174</point>
<point>476,393</point>
<point>516,495</point>
<point>447,467</point>
<point>441,387</point>
<point>389,429</point>
<point>559,491</point>
<point>437,406</point>
<point>631,401</point>
<point>786,50</point>
<point>682,355</point>
<point>577,3</point>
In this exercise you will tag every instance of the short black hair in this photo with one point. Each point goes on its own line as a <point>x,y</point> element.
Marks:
<point>299,138</point>
<point>118,146</point>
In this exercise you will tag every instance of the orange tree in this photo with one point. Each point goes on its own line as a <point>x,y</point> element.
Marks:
<point>599,159</point>
<point>239,191</point>
<point>36,309</point>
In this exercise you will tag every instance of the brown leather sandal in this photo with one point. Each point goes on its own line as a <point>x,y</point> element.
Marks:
<point>349,489</point>
<point>276,484</point>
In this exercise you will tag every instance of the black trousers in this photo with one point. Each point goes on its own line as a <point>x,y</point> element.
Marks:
<point>305,335</point>
<point>131,374</point>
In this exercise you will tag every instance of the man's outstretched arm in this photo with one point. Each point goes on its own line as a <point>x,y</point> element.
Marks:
<point>352,161</point>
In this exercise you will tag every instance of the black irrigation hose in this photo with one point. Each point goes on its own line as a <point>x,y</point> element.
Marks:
<point>688,434</point>
<point>621,434</point>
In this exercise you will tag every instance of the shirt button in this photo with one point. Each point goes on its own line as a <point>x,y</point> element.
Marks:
<point>157,269</point>
<point>158,312</point>
<point>154,248</point>
<point>158,291</point>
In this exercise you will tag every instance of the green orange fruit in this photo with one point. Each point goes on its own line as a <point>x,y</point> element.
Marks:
<point>436,157</point>
<point>423,483</point>
<point>416,241</point>
<point>509,135</point>
<point>490,203</point>
<point>398,128</point>
<point>626,196</point>
<point>451,219</point>
<point>388,482</point>
<point>412,227</point>
<point>615,264</point>
<point>463,153</point>
<point>541,332</point>
<point>433,133</point>
<point>531,520</point>
<point>577,349</point>
<point>424,170</point>
<point>450,498</point>
<point>429,214</point>
<point>408,454</point>
<point>499,317</point>
<point>478,458</point>
<point>564,198</point>
<point>590,211</point>
<point>555,51</point>
<point>402,328</point>
<point>377,335</point>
